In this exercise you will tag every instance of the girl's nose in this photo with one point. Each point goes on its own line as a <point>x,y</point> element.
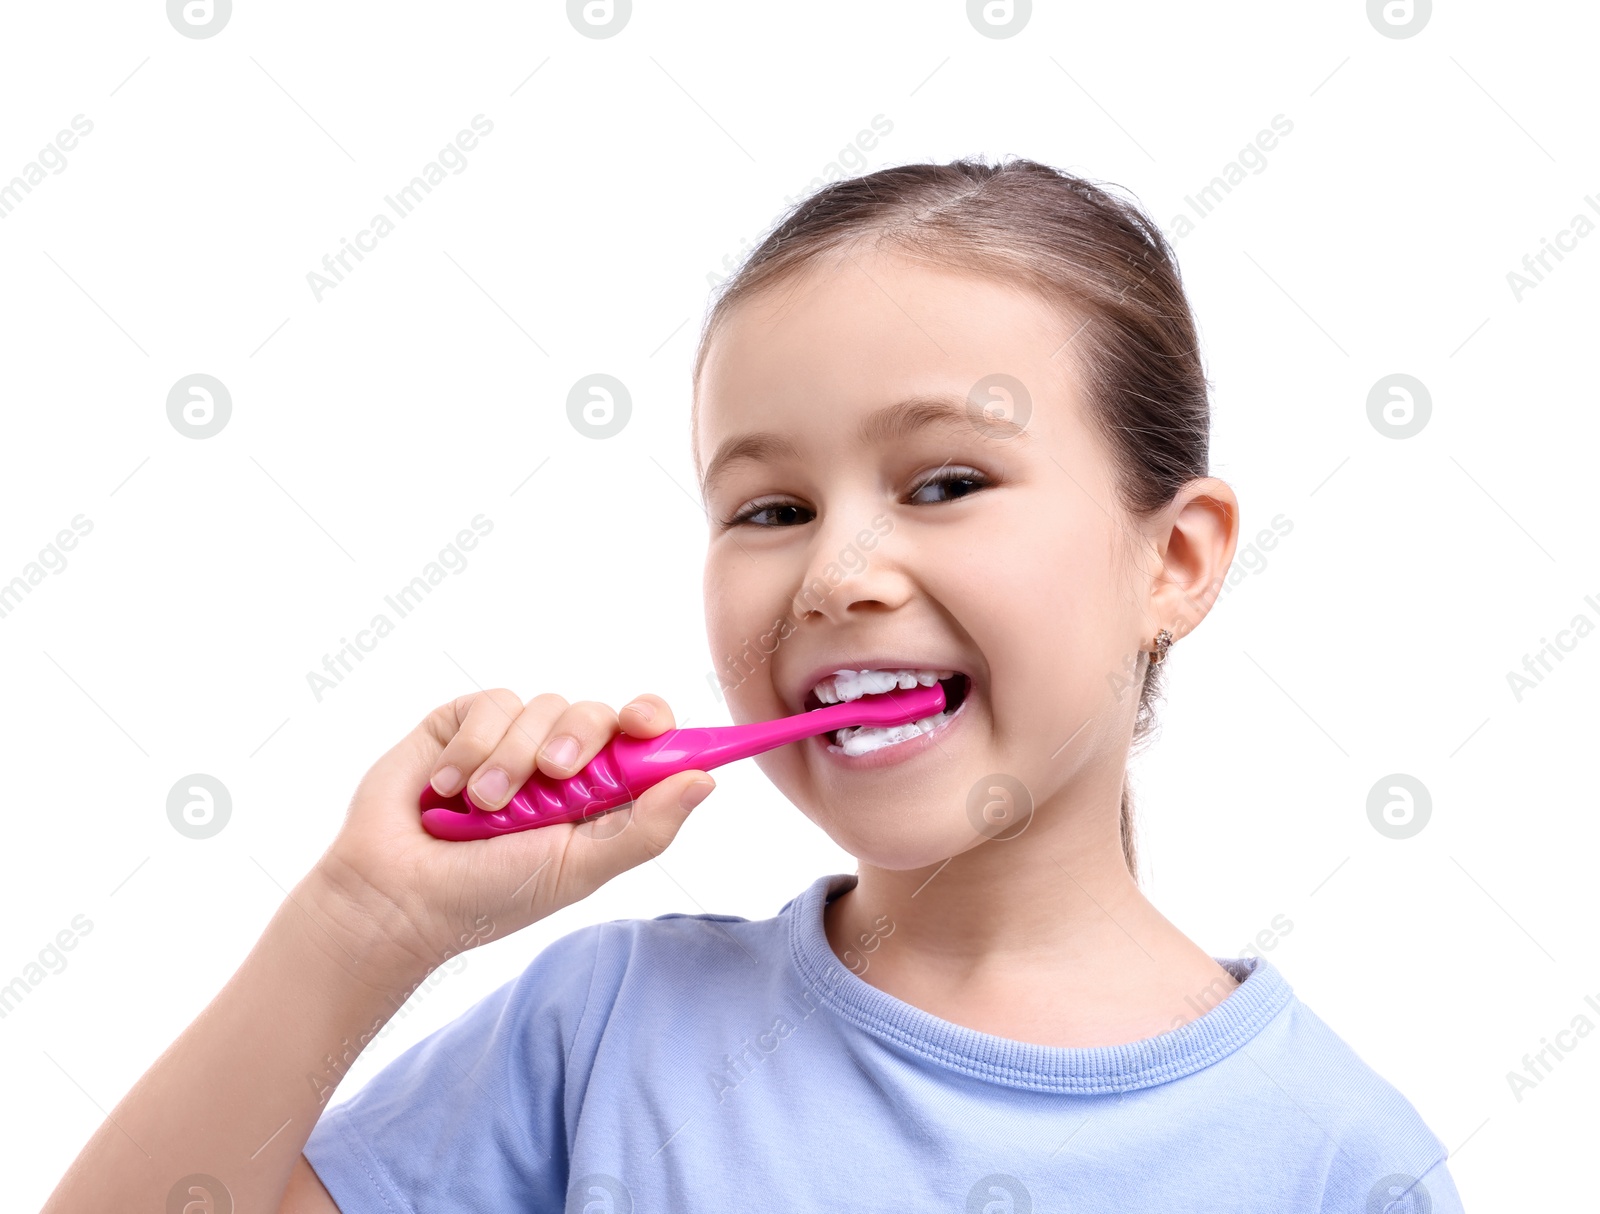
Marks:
<point>851,569</point>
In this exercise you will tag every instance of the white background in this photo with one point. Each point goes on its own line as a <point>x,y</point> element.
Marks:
<point>369,427</point>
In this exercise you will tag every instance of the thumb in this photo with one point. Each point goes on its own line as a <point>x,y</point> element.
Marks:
<point>392,788</point>
<point>607,845</point>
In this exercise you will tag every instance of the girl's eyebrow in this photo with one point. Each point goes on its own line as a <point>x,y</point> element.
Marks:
<point>896,421</point>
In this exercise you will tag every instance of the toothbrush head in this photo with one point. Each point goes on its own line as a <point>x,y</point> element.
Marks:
<point>882,709</point>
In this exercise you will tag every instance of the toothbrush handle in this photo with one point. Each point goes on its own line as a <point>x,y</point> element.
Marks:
<point>541,801</point>
<point>624,768</point>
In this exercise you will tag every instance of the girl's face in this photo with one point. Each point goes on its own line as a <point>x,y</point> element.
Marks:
<point>865,515</point>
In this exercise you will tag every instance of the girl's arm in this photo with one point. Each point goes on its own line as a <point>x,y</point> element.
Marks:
<point>235,1097</point>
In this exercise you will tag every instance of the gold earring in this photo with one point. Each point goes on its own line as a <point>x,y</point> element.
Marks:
<point>1163,641</point>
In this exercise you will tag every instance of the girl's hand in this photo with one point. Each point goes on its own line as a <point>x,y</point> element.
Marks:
<point>431,898</point>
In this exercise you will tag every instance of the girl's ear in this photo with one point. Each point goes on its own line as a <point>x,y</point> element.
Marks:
<point>1202,532</point>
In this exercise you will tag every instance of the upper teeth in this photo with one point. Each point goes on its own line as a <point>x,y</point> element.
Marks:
<point>842,686</point>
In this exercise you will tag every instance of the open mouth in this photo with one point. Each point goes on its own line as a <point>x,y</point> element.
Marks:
<point>845,685</point>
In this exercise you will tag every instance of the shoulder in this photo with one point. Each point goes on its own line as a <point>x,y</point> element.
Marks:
<point>705,940</point>
<point>679,941</point>
<point>1374,1144</point>
<point>616,954</point>
<point>643,996</point>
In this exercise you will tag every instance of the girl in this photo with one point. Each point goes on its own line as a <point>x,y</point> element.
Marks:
<point>951,423</point>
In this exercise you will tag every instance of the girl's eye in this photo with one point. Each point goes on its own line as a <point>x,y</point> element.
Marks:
<point>945,485</point>
<point>772,514</point>
<point>956,482</point>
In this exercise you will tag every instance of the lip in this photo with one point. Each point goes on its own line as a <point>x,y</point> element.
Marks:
<point>900,752</point>
<point>795,697</point>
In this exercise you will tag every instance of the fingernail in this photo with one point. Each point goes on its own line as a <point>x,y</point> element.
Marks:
<point>694,794</point>
<point>491,787</point>
<point>646,711</point>
<point>446,780</point>
<point>562,751</point>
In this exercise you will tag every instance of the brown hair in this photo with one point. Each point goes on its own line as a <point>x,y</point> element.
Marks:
<point>1096,255</point>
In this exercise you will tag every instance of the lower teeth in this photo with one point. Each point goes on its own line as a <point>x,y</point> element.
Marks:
<point>863,739</point>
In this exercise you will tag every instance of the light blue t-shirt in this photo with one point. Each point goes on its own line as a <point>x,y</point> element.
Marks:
<point>707,1064</point>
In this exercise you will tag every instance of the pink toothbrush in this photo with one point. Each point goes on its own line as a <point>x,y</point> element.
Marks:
<point>627,766</point>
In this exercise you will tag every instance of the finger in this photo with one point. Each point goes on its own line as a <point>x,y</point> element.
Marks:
<point>408,765</point>
<point>405,768</point>
<point>511,762</point>
<point>576,738</point>
<point>645,716</point>
<point>482,720</point>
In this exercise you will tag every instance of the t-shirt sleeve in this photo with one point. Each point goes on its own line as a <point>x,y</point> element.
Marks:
<point>473,1117</point>
<point>1434,1191</point>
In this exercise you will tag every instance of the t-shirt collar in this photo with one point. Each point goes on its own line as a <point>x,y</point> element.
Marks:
<point>1261,994</point>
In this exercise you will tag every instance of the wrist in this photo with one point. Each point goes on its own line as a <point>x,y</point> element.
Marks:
<point>368,935</point>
